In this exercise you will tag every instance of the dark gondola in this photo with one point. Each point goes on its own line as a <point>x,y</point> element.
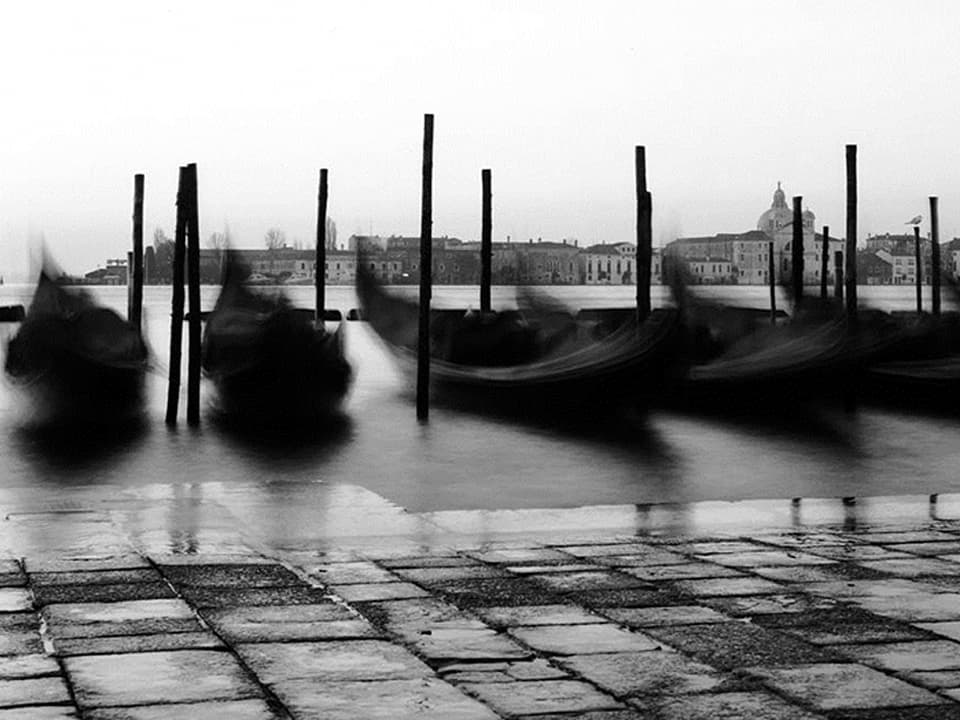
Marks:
<point>273,366</point>
<point>531,364</point>
<point>76,361</point>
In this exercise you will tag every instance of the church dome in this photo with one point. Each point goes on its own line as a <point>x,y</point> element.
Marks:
<point>778,216</point>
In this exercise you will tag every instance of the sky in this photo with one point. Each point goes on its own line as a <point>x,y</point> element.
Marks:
<point>728,97</point>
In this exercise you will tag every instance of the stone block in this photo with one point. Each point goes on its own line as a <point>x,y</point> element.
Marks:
<point>541,696</point>
<point>648,673</point>
<point>583,639</point>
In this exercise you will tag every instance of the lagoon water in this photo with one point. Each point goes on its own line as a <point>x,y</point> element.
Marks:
<point>464,461</point>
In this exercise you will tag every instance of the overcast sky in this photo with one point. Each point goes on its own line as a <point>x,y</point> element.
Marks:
<point>728,97</point>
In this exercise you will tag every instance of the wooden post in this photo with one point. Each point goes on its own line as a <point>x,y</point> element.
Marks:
<point>935,257</point>
<point>644,235</point>
<point>851,273</point>
<point>918,258</point>
<point>319,274</point>
<point>176,314</point>
<point>486,241</point>
<point>824,262</point>
<point>136,305</point>
<point>796,253</point>
<point>129,286</point>
<point>772,273</point>
<point>838,275</point>
<point>193,295</point>
<point>426,272</point>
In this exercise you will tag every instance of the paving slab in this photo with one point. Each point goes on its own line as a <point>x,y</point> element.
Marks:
<point>833,686</point>
<point>817,573</point>
<point>935,679</point>
<point>120,618</point>
<point>928,548</point>
<point>212,597</point>
<point>756,705</point>
<point>907,656</point>
<point>661,616</point>
<point>648,673</point>
<point>245,576</point>
<point>157,677</point>
<point>537,615</point>
<point>20,643</point>
<point>566,582</point>
<point>752,605</point>
<point>658,596</point>
<point>97,592</point>
<point>33,691</point>
<point>97,577</point>
<point>718,587</point>
<point>915,607</point>
<point>351,572</point>
<point>365,592</point>
<point>15,600</point>
<point>915,567</point>
<point>558,568</point>
<point>428,562</point>
<point>739,644</point>
<point>420,699</point>
<point>25,666</point>
<point>51,563</point>
<point>13,580</point>
<point>135,643</point>
<point>39,712</point>
<point>511,671</point>
<point>438,576</point>
<point>767,558</point>
<point>584,639</point>
<point>685,571</point>
<point>541,696</point>
<point>648,558</point>
<point>281,623</point>
<point>348,660</point>
<point>498,591</point>
<point>410,617</point>
<point>533,555</point>
<point>445,643</point>
<point>252,709</point>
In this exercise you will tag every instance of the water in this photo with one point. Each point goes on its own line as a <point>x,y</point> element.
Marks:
<point>461,461</point>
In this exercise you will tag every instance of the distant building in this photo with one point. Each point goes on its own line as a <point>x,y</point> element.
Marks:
<point>748,253</point>
<point>115,273</point>
<point>710,271</point>
<point>873,269</point>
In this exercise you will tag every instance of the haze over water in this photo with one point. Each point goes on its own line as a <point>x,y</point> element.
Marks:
<point>464,461</point>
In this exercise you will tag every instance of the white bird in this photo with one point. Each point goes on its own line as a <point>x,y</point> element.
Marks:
<point>916,221</point>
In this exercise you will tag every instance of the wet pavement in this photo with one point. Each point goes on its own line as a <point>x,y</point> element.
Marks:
<point>208,600</point>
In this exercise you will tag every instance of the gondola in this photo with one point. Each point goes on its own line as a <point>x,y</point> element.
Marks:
<point>516,363</point>
<point>272,365</point>
<point>78,363</point>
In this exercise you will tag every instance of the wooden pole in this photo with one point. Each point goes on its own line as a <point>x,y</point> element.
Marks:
<point>426,271</point>
<point>486,241</point>
<point>136,309</point>
<point>935,256</point>
<point>838,275</point>
<point>176,314</point>
<point>824,262</point>
<point>129,286</point>
<point>851,260</point>
<point>918,258</point>
<point>644,235</point>
<point>193,294</point>
<point>772,278</point>
<point>319,274</point>
<point>796,252</point>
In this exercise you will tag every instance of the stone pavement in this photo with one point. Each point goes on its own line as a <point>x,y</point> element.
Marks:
<point>839,609</point>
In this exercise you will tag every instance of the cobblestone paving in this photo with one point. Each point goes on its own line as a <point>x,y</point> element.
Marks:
<point>825,622</point>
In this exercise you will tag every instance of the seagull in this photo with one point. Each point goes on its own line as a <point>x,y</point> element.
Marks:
<point>916,221</point>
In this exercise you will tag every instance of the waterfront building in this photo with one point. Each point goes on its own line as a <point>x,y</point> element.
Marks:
<point>903,265</point>
<point>547,263</point>
<point>874,269</point>
<point>710,271</point>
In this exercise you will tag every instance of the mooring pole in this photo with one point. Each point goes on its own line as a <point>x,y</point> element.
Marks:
<point>796,253</point>
<point>918,259</point>
<point>129,285</point>
<point>644,235</point>
<point>486,241</point>
<point>320,261</point>
<point>772,278</point>
<point>824,262</point>
<point>935,256</point>
<point>193,295</point>
<point>851,260</point>
<point>426,271</point>
<point>838,275</point>
<point>136,303</point>
<point>176,313</point>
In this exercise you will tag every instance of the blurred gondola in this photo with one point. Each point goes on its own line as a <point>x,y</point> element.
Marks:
<point>274,367</point>
<point>79,363</point>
